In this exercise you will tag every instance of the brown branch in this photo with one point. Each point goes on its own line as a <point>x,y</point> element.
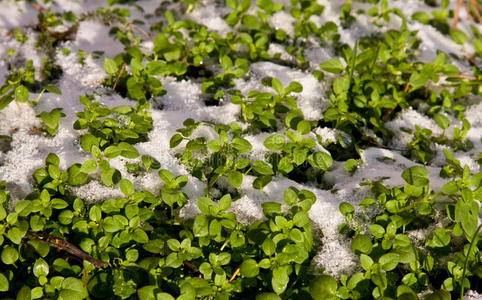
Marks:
<point>388,113</point>
<point>372,142</point>
<point>476,4</point>
<point>85,278</point>
<point>66,246</point>
<point>141,30</point>
<point>462,76</point>
<point>234,275</point>
<point>405,89</point>
<point>36,6</point>
<point>475,8</point>
<point>456,14</point>
<point>190,265</point>
<point>118,76</point>
<point>468,12</point>
<point>471,61</point>
<point>18,105</point>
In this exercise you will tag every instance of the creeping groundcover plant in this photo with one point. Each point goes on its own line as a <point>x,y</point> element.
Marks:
<point>241,149</point>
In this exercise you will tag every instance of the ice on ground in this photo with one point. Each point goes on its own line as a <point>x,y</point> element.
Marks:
<point>17,14</point>
<point>94,36</point>
<point>211,17</point>
<point>284,21</point>
<point>472,295</point>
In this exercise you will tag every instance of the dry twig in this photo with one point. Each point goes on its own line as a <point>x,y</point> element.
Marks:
<point>118,76</point>
<point>66,246</point>
<point>234,275</point>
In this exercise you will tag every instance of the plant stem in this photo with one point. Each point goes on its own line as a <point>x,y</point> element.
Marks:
<point>456,14</point>
<point>66,246</point>
<point>353,60</point>
<point>38,97</point>
<point>467,261</point>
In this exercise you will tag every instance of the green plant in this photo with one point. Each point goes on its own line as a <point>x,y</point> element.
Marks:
<point>51,120</point>
<point>262,110</point>
<point>411,240</point>
<point>389,256</point>
<point>296,156</point>
<point>219,157</point>
<point>111,238</point>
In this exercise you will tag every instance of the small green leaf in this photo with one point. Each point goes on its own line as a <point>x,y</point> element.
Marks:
<point>290,197</point>
<point>267,296</point>
<point>24,293</point>
<point>175,140</point>
<point>441,238</point>
<point>322,160</point>
<point>377,230</point>
<point>72,288</point>
<point>40,268</point>
<point>351,165</point>
<point>140,236</point>
<point>450,188</point>
<point>295,86</point>
<point>9,255</point>
<point>260,182</point>
<point>262,168</point>
<point>323,287</point>
<point>389,261</point>
<point>366,261</point>
<point>333,66</point>
<point>303,127</point>
<point>225,202</point>
<point>87,141</point>
<point>95,213</point>
<point>4,286</point>
<point>249,268</point>
<point>110,67</point>
<point>127,150</point>
<point>201,226</point>
<point>275,142</point>
<point>150,162</point>
<point>214,145</point>
<point>88,166</point>
<point>242,145</point>
<point>441,121</point>
<point>52,89</point>
<point>421,17</point>
<point>268,246</point>
<point>285,165</point>
<point>204,204</point>
<point>346,208</point>
<point>271,208</point>
<point>458,36</point>
<point>226,62</point>
<point>126,187</point>
<point>341,85</point>
<point>280,280</point>
<point>76,176</point>
<point>235,178</point>
<point>416,175</point>
<point>21,94</point>
<point>110,177</point>
<point>361,244</point>
<point>251,22</point>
